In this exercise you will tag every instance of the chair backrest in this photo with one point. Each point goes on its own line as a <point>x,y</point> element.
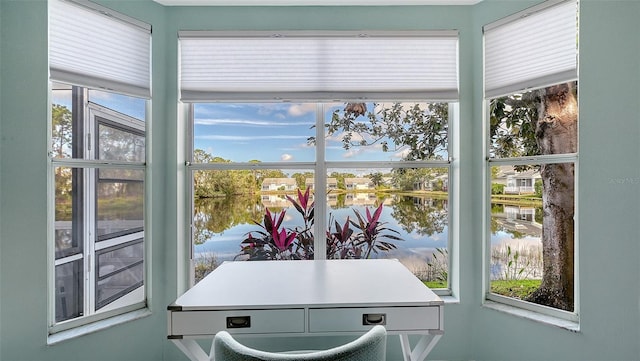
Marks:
<point>369,347</point>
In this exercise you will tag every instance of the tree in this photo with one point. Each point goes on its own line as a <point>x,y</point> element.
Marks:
<point>62,131</point>
<point>544,122</point>
<point>61,147</point>
<point>301,178</point>
<point>411,179</point>
<point>340,178</point>
<point>420,129</point>
<point>534,123</point>
<point>377,179</point>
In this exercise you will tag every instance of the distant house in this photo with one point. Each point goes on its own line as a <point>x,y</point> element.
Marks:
<point>519,213</point>
<point>279,184</point>
<point>358,184</point>
<point>274,200</point>
<point>516,182</point>
<point>332,183</point>
<point>439,183</point>
<point>360,198</point>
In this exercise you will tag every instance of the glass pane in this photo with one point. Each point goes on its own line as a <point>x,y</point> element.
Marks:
<point>533,205</point>
<point>67,127</point>
<point>68,211</point>
<point>119,284</point>
<point>121,174</point>
<point>268,132</point>
<point>69,290</point>
<point>399,213</point>
<point>120,206</point>
<point>230,207</point>
<point>387,131</point>
<point>131,106</point>
<point>538,122</point>
<point>62,129</point>
<point>116,143</point>
<point>117,259</point>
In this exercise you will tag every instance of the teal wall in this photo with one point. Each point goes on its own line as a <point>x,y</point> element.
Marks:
<point>608,176</point>
<point>23,149</point>
<point>608,201</point>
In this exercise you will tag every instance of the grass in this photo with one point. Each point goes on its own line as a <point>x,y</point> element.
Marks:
<point>519,289</point>
<point>513,199</point>
<point>435,284</point>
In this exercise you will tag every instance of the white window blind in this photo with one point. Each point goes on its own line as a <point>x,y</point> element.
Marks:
<point>218,66</point>
<point>96,47</point>
<point>531,49</point>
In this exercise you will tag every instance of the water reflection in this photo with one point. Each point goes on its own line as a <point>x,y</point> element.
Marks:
<point>516,241</point>
<point>519,221</point>
<point>220,224</point>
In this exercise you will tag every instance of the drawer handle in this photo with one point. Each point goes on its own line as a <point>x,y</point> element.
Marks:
<point>239,322</point>
<point>374,319</point>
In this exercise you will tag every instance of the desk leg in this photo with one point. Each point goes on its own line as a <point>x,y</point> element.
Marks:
<point>191,348</point>
<point>422,348</point>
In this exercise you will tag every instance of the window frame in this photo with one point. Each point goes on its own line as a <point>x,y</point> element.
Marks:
<point>84,159</point>
<point>561,23</point>
<point>320,166</point>
<point>515,161</point>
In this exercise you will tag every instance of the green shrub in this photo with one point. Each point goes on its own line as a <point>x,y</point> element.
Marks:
<point>538,188</point>
<point>497,188</point>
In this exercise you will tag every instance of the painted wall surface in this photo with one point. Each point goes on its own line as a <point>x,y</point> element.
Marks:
<point>608,201</point>
<point>608,181</point>
<point>355,18</point>
<point>23,149</point>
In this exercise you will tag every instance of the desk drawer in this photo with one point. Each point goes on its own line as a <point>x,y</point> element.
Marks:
<point>361,319</point>
<point>191,323</point>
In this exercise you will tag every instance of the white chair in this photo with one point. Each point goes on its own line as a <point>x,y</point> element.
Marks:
<point>369,347</point>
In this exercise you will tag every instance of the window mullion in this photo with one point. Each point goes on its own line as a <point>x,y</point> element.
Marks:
<point>320,189</point>
<point>91,203</point>
<point>88,241</point>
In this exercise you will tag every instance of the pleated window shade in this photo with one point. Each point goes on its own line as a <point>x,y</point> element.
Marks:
<point>531,49</point>
<point>93,46</point>
<point>311,66</point>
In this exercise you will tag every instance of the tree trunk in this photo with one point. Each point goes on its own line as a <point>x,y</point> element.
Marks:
<point>556,133</point>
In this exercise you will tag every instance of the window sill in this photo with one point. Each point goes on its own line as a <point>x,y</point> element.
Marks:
<point>534,316</point>
<point>79,331</point>
<point>450,300</point>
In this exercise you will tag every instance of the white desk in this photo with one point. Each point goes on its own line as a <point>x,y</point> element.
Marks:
<point>303,298</point>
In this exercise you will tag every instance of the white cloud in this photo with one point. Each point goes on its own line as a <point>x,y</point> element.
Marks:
<point>247,138</point>
<point>402,154</point>
<point>286,157</point>
<point>297,110</point>
<point>247,122</point>
<point>352,152</point>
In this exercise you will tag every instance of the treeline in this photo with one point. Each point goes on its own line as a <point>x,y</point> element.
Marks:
<point>222,183</point>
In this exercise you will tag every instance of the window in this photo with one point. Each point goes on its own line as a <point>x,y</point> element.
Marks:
<point>252,157</point>
<point>371,177</point>
<point>98,159</point>
<point>98,162</point>
<point>532,146</point>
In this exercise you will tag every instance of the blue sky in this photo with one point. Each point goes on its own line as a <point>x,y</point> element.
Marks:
<point>241,132</point>
<point>272,132</point>
<point>134,107</point>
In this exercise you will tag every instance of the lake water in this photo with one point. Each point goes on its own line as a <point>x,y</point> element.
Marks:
<point>422,223</point>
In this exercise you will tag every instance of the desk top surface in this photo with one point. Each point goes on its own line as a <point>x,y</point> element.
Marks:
<point>298,284</point>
